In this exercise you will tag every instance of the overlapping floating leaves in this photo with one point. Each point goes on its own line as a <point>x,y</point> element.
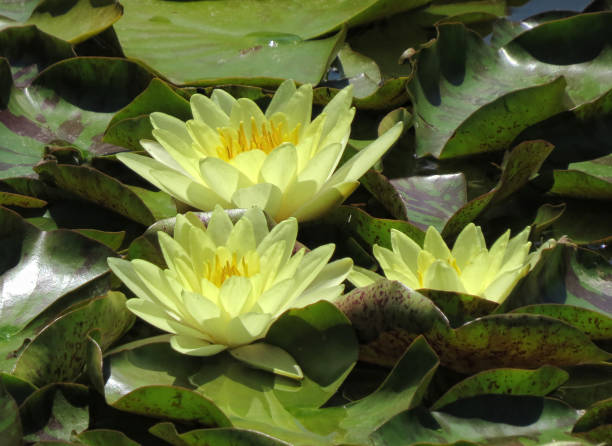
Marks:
<point>509,131</point>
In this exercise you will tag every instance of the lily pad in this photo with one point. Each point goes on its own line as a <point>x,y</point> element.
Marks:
<point>54,412</point>
<point>74,21</point>
<point>72,101</point>
<point>387,316</point>
<point>587,179</point>
<point>87,183</point>
<point>66,338</point>
<point>500,419</point>
<point>371,230</point>
<point>520,165</point>
<point>539,382</point>
<point>40,267</point>
<point>473,98</point>
<point>10,426</point>
<point>422,200</point>
<point>595,325</point>
<point>131,124</point>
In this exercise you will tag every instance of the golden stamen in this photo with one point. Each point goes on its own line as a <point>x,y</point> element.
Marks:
<point>266,138</point>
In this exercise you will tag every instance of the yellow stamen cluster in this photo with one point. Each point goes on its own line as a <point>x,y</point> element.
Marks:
<point>225,265</point>
<point>270,136</point>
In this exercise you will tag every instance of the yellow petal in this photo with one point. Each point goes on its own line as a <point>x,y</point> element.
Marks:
<point>280,166</point>
<point>222,177</point>
<point>249,163</point>
<point>361,277</point>
<point>259,223</point>
<point>157,151</point>
<point>195,347</point>
<point>223,99</point>
<point>188,191</point>
<point>337,107</point>
<point>435,245</point>
<point>144,166</point>
<point>496,256</point>
<point>242,239</point>
<point>407,249</point>
<point>467,245</point>
<point>441,276</point>
<point>285,231</point>
<point>282,95</point>
<point>503,284</point>
<point>204,137</point>
<point>473,275</point>
<point>208,111</point>
<point>269,358</point>
<point>243,111</point>
<point>219,226</point>
<point>233,295</point>
<point>354,168</point>
<point>151,313</point>
<point>199,307</point>
<point>171,125</point>
<point>266,196</point>
<point>325,200</point>
<point>320,168</point>
<point>247,328</point>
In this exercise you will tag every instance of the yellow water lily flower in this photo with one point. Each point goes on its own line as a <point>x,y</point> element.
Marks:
<point>469,268</point>
<point>233,155</point>
<point>226,284</point>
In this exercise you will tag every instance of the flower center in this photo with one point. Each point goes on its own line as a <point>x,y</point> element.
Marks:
<point>225,265</point>
<point>266,138</point>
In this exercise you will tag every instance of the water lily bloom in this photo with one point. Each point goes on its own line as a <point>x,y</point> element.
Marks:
<point>468,268</point>
<point>226,284</point>
<point>234,155</point>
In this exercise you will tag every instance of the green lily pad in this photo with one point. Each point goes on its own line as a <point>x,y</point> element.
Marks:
<point>173,402</point>
<point>75,21</point>
<point>270,358</point>
<point>459,308</point>
<point>369,229</point>
<point>516,340</point>
<point>18,388</point>
<point>39,268</point>
<point>597,415</point>
<point>520,165</point>
<point>595,325</point>
<point>18,11</point>
<point>217,436</point>
<point>10,424</point>
<point>584,222</point>
<point>539,382</point>
<point>473,98</point>
<point>104,437</point>
<point>422,200</point>
<point>29,51</point>
<point>72,101</point>
<point>387,316</point>
<point>491,419</point>
<point>54,412</point>
<point>403,389</point>
<point>588,282</point>
<point>111,239</point>
<point>142,206</point>
<point>131,124</point>
<point>587,179</point>
<point>18,200</point>
<point>587,385</point>
<point>66,338</point>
